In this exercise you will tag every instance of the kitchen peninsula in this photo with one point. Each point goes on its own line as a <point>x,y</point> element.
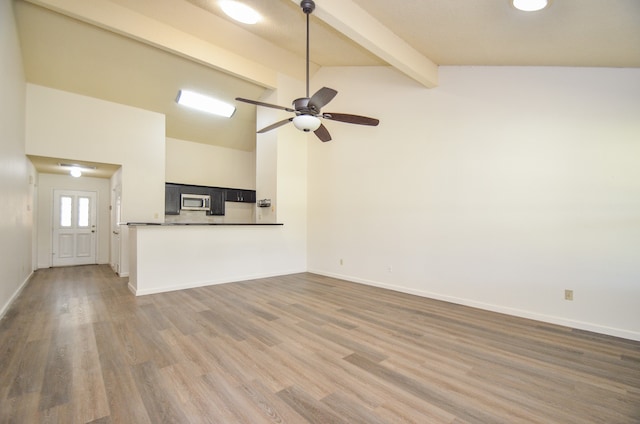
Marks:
<point>176,256</point>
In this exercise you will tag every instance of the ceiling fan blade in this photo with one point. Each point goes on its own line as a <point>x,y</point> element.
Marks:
<point>323,133</point>
<point>257,103</point>
<point>351,119</point>
<point>276,125</point>
<point>321,98</point>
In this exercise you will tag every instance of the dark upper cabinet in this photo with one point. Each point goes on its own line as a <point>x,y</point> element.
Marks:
<point>218,195</point>
<point>171,199</point>
<point>237,195</point>
<point>231,195</point>
<point>217,201</point>
<point>249,196</point>
<point>193,189</point>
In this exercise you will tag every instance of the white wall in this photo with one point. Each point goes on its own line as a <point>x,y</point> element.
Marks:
<point>291,176</point>
<point>47,183</point>
<point>17,176</point>
<point>267,158</point>
<point>169,258</point>
<point>500,189</point>
<point>66,125</point>
<point>201,164</point>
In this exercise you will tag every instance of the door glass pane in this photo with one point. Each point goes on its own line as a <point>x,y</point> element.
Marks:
<point>83,211</point>
<point>65,211</point>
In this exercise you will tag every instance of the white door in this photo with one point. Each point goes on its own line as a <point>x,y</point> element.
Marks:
<point>74,227</point>
<point>116,211</point>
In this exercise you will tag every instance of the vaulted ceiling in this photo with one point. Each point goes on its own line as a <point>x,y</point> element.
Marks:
<point>141,52</point>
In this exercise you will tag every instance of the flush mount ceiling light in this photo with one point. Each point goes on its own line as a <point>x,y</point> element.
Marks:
<point>240,12</point>
<point>205,103</point>
<point>530,5</point>
<point>76,170</point>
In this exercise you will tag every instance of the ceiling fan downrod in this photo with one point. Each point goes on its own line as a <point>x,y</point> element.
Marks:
<point>307,7</point>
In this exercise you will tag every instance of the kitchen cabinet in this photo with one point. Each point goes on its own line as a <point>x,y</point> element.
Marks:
<point>239,195</point>
<point>249,196</point>
<point>193,189</point>
<point>217,201</point>
<point>219,195</point>
<point>171,199</point>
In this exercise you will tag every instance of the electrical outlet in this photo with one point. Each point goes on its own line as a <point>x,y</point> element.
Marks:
<point>341,262</point>
<point>389,268</point>
<point>568,295</point>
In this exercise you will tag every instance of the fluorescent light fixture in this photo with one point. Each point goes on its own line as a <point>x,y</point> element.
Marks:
<point>530,5</point>
<point>205,103</point>
<point>306,123</point>
<point>240,12</point>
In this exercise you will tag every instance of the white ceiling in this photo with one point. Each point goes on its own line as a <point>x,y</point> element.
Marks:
<point>141,52</point>
<point>491,32</point>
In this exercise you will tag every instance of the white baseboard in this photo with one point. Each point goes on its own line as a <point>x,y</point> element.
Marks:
<point>13,297</point>
<point>579,325</point>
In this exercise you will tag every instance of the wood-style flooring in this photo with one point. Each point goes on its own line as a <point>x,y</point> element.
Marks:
<point>77,347</point>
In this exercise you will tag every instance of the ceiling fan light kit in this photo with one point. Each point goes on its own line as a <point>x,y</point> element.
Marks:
<point>307,109</point>
<point>306,123</point>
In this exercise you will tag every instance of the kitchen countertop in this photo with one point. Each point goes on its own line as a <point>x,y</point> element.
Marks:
<point>177,224</point>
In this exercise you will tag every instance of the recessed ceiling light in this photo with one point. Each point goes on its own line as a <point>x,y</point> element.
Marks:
<point>205,103</point>
<point>530,5</point>
<point>240,12</point>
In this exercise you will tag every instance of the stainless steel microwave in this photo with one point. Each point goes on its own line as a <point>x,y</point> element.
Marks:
<point>195,202</point>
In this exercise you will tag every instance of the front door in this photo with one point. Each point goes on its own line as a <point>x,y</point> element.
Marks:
<point>74,227</point>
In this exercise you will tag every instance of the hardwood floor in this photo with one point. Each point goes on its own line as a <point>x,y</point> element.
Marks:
<point>78,347</point>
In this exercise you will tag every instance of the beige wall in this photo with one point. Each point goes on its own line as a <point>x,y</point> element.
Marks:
<point>500,189</point>
<point>201,164</point>
<point>66,125</point>
<point>17,176</point>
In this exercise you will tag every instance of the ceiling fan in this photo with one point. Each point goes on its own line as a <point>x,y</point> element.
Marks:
<point>307,109</point>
